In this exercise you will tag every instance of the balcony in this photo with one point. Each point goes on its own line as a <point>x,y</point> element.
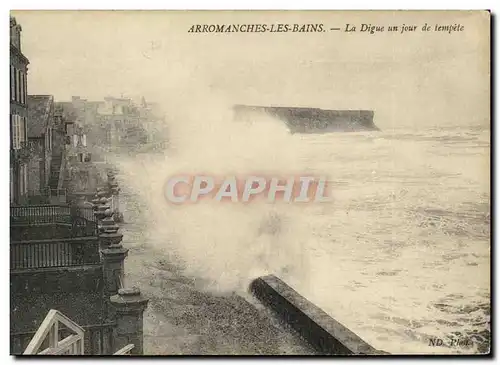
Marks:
<point>53,253</point>
<point>32,215</point>
<point>45,236</point>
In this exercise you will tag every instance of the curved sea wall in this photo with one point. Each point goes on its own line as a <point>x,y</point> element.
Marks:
<point>314,120</point>
<point>324,333</point>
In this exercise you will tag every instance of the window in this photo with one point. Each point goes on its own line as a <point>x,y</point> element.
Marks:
<point>25,175</point>
<point>75,140</point>
<point>25,83</point>
<point>22,130</point>
<point>84,140</point>
<point>12,83</point>
<point>18,82</point>
<point>25,123</point>
<point>12,131</point>
<point>11,185</point>
<point>19,132</point>
<point>21,87</point>
<point>16,132</point>
<point>21,179</point>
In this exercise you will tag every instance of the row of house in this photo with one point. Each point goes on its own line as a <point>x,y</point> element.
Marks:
<point>38,133</point>
<point>19,150</point>
<point>67,282</point>
<point>42,130</point>
<point>120,121</point>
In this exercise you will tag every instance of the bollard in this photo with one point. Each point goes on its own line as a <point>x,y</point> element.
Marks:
<point>129,306</point>
<point>97,212</point>
<point>113,258</point>
<point>109,231</point>
<point>101,208</point>
<point>114,191</point>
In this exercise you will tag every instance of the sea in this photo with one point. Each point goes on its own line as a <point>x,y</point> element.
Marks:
<point>400,255</point>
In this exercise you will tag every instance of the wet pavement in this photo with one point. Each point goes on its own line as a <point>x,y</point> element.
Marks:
<point>181,319</point>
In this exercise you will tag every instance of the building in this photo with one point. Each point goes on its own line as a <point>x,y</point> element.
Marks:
<point>153,122</point>
<point>79,171</point>
<point>62,261</point>
<point>119,117</point>
<point>19,149</point>
<point>73,142</point>
<point>127,123</point>
<point>41,130</point>
<point>119,122</point>
<point>85,116</point>
<point>77,149</point>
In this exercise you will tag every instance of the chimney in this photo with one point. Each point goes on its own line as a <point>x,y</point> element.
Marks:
<point>15,33</point>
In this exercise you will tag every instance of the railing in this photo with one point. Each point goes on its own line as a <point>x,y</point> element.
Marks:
<point>70,345</point>
<point>126,350</point>
<point>80,221</point>
<point>39,214</point>
<point>49,330</point>
<point>54,253</point>
<point>98,339</point>
<point>86,213</point>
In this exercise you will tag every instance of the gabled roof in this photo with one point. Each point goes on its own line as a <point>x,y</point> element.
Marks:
<point>38,114</point>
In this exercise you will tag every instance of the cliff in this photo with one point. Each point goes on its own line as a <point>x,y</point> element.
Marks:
<point>313,120</point>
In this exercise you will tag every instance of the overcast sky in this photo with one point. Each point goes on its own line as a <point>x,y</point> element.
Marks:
<point>419,78</point>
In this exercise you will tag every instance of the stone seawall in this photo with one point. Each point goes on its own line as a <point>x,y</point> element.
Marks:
<point>325,334</point>
<point>313,120</point>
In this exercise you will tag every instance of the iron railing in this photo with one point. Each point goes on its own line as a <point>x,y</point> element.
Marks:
<point>40,214</point>
<point>29,219</point>
<point>36,254</point>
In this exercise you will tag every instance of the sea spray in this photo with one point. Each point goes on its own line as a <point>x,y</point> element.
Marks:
<point>224,244</point>
<point>396,259</point>
<point>399,252</point>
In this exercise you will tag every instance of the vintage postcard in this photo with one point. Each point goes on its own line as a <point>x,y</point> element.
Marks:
<point>250,183</point>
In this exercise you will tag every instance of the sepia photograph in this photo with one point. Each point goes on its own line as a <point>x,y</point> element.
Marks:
<point>250,183</point>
